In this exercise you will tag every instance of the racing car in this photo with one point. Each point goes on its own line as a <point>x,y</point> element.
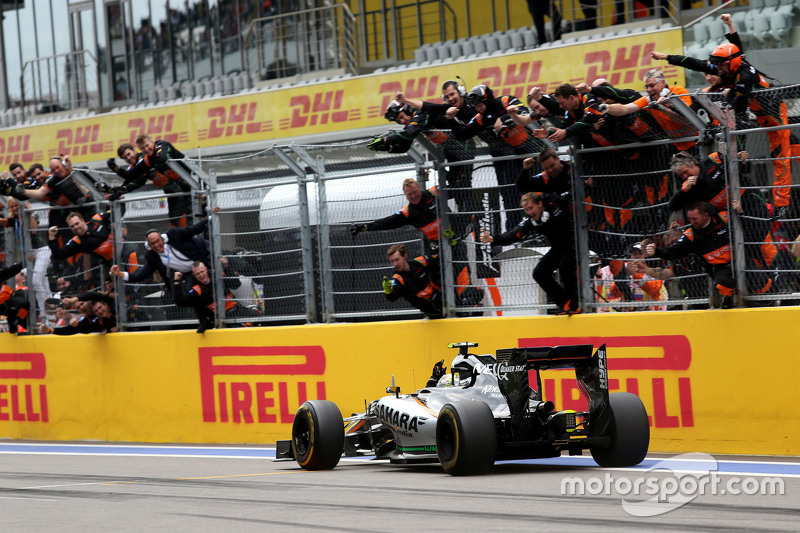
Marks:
<point>484,410</point>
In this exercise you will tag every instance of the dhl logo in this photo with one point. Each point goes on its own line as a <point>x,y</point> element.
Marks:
<point>424,88</point>
<point>326,107</point>
<point>658,393</point>
<point>16,149</point>
<point>282,384</point>
<point>628,66</point>
<point>82,140</point>
<point>234,120</point>
<point>623,66</point>
<point>23,402</point>
<point>158,127</point>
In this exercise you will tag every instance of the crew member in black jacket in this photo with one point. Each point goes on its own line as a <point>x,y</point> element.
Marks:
<point>550,216</point>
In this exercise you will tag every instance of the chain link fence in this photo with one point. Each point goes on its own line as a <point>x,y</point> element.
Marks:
<point>285,251</point>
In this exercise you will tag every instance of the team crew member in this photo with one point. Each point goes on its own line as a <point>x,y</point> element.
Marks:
<point>14,302</point>
<point>550,216</point>
<point>86,323</point>
<point>195,289</point>
<point>420,212</point>
<point>128,153</point>
<point>417,281</point>
<point>580,113</point>
<point>59,190</point>
<point>726,61</point>
<point>41,252</point>
<point>655,104</point>
<point>709,238</point>
<point>175,251</point>
<point>704,181</point>
<point>556,175</point>
<point>105,317</point>
<point>152,165</point>
<point>94,237</point>
<point>494,123</point>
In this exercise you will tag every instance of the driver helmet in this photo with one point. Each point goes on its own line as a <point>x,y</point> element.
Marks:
<point>395,108</point>
<point>464,368</point>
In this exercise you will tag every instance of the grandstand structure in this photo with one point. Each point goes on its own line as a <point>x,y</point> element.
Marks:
<point>274,109</point>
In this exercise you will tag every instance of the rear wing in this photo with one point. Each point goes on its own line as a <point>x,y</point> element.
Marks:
<point>546,357</point>
<point>590,371</point>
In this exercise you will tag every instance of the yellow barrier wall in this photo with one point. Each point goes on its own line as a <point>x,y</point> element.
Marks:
<point>712,381</point>
<point>336,106</point>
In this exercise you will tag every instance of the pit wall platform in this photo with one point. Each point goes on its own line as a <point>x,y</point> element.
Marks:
<point>712,381</point>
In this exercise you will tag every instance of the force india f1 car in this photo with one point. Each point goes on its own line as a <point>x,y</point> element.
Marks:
<point>484,410</point>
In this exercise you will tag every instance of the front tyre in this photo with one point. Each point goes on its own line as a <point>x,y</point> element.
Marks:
<point>629,431</point>
<point>318,435</point>
<point>466,438</point>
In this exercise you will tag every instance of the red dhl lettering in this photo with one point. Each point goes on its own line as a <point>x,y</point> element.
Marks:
<point>23,402</point>
<point>158,127</point>
<point>422,87</point>
<point>516,79</point>
<point>16,149</point>
<point>326,107</point>
<point>275,399</point>
<point>628,65</point>
<point>81,140</point>
<point>677,356</point>
<point>234,120</point>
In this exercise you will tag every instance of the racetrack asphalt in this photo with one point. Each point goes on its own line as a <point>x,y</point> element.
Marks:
<point>79,487</point>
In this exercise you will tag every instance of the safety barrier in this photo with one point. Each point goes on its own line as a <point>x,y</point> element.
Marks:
<point>704,389</point>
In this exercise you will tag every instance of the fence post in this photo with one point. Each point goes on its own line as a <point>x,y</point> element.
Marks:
<point>324,245</point>
<point>581,235</point>
<point>120,302</point>
<point>215,241</point>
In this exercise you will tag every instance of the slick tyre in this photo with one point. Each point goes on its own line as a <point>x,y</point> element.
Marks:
<point>629,432</point>
<point>466,438</point>
<point>318,435</point>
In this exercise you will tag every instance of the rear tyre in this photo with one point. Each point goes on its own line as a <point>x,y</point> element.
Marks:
<point>629,432</point>
<point>318,435</point>
<point>466,438</point>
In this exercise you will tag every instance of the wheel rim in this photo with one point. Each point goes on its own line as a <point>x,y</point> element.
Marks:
<point>447,440</point>
<point>302,437</point>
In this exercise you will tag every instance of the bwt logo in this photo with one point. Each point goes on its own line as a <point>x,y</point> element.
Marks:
<point>657,392</point>
<point>286,373</point>
<point>23,402</point>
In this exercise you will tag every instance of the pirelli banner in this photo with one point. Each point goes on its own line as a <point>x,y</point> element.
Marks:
<point>712,381</point>
<point>339,105</point>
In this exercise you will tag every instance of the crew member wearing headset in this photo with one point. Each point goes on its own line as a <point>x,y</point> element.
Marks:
<point>550,216</point>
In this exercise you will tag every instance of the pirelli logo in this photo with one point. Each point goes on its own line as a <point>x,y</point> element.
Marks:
<point>23,393</point>
<point>262,384</point>
<point>654,367</point>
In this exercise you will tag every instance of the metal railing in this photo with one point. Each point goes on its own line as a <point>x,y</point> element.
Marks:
<point>301,42</point>
<point>60,82</point>
<point>283,230</point>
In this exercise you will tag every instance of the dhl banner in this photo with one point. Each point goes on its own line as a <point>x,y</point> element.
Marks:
<point>338,105</point>
<point>712,381</point>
